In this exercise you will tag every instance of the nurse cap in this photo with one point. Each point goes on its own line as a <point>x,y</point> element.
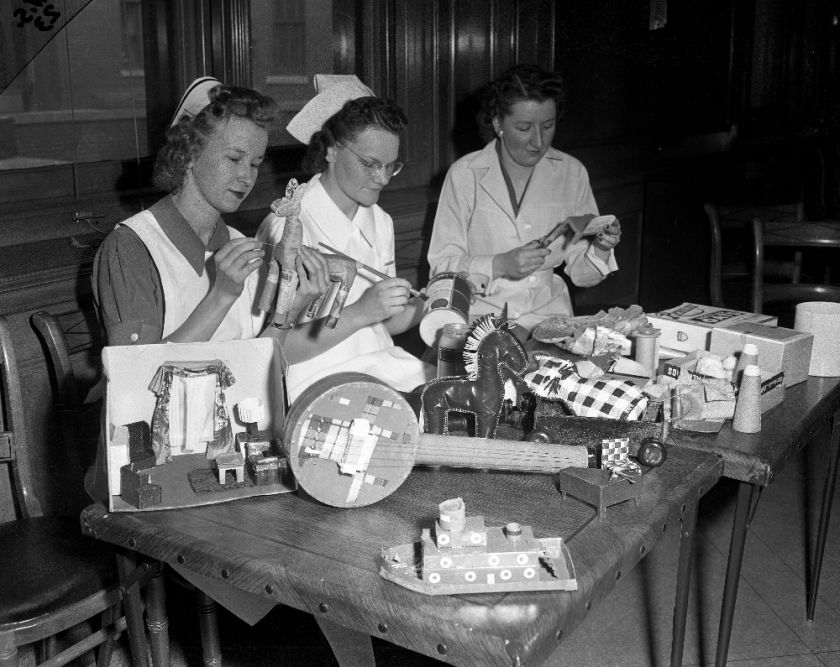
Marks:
<point>332,92</point>
<point>195,98</point>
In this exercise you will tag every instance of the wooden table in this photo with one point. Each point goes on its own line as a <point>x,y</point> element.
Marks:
<point>809,408</point>
<point>289,549</point>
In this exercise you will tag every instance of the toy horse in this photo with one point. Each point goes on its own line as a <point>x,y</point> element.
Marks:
<point>491,353</point>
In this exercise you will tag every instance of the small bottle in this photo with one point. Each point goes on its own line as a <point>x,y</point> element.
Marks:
<point>747,417</point>
<point>647,349</point>
<point>451,350</point>
<point>748,357</point>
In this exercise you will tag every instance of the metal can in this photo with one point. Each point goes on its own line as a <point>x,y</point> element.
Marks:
<point>451,350</point>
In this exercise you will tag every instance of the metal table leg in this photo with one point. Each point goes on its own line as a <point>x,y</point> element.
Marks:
<point>747,498</point>
<point>687,534</point>
<point>825,514</point>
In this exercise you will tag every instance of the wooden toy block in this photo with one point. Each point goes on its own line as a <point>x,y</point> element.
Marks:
<point>266,469</point>
<point>597,487</point>
<point>135,487</point>
<point>231,461</point>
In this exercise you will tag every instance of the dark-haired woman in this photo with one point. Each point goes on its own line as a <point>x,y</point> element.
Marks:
<point>495,202</point>
<point>353,151</point>
<point>176,272</point>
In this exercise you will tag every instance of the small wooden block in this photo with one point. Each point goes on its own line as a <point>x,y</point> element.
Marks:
<point>594,486</point>
<point>231,461</point>
<point>136,489</point>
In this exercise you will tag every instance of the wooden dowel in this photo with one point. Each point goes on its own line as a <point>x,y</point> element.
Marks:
<point>491,454</point>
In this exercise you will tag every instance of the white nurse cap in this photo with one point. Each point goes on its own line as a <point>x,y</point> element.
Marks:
<point>332,92</point>
<point>195,98</point>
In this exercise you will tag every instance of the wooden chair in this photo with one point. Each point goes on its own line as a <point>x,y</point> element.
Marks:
<point>81,425</point>
<point>80,421</point>
<point>776,282</point>
<point>736,256</point>
<point>54,581</point>
<point>779,233</point>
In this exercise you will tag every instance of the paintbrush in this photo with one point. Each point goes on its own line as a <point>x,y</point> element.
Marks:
<point>369,269</point>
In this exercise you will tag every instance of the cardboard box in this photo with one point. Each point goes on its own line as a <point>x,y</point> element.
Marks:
<point>688,327</point>
<point>683,368</point>
<point>779,349</point>
<point>255,367</point>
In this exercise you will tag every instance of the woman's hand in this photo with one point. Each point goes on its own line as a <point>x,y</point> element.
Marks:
<point>609,237</point>
<point>313,279</point>
<point>383,299</point>
<point>313,273</point>
<point>234,262</point>
<point>519,262</point>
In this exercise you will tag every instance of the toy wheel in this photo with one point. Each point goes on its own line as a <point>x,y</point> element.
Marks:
<point>652,453</point>
<point>539,436</point>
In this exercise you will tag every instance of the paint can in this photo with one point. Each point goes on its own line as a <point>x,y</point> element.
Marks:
<point>448,297</point>
<point>451,350</point>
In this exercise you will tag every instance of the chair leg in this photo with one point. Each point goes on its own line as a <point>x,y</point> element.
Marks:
<point>157,621</point>
<point>109,617</point>
<point>76,634</point>
<point>208,624</point>
<point>133,606</point>
<point>8,650</point>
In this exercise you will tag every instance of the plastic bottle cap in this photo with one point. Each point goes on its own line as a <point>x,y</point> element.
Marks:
<point>750,348</point>
<point>752,369</point>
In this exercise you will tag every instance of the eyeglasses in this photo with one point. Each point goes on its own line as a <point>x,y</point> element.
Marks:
<point>374,167</point>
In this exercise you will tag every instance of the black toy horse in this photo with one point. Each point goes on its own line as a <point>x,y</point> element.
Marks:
<point>492,354</point>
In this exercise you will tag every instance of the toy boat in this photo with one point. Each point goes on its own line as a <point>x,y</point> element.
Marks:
<point>465,556</point>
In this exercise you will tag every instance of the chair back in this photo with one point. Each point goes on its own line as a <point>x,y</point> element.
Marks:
<point>80,421</point>
<point>743,222</point>
<point>13,437</point>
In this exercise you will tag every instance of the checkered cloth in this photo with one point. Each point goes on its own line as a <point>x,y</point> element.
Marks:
<point>615,455</point>
<point>556,379</point>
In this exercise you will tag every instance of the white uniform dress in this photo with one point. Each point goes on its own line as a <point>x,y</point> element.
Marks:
<point>183,288</point>
<point>475,221</point>
<point>368,238</point>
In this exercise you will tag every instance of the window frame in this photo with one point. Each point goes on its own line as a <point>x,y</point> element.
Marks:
<point>213,38</point>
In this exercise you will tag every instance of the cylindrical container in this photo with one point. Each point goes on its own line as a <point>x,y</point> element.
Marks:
<point>748,357</point>
<point>452,514</point>
<point>822,320</point>
<point>448,297</point>
<point>451,350</point>
<point>747,417</point>
<point>647,349</point>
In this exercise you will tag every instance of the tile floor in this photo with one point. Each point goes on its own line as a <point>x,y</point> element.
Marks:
<point>769,630</point>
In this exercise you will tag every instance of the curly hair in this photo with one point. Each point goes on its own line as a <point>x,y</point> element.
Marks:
<point>347,123</point>
<point>186,139</point>
<point>517,84</point>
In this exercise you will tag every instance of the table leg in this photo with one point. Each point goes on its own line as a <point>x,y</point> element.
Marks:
<point>825,514</point>
<point>687,533</point>
<point>133,608</point>
<point>208,625</point>
<point>747,497</point>
<point>156,619</point>
<point>351,648</point>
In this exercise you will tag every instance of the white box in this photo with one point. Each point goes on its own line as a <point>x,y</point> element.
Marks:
<point>683,369</point>
<point>779,349</point>
<point>256,368</point>
<point>688,327</point>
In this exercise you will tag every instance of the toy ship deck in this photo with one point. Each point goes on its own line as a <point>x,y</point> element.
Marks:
<point>476,559</point>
